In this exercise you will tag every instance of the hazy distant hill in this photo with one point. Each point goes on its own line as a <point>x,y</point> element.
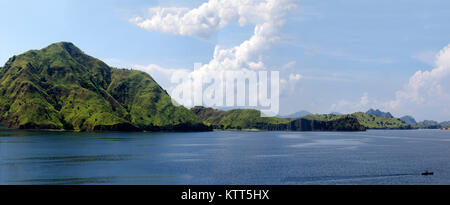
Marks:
<point>379,113</point>
<point>336,113</point>
<point>60,87</point>
<point>298,114</point>
<point>427,124</point>
<point>408,120</point>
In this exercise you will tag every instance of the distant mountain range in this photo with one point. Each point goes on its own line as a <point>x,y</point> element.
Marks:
<point>382,120</point>
<point>426,124</point>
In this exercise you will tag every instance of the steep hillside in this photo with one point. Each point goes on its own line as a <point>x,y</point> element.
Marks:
<point>60,87</point>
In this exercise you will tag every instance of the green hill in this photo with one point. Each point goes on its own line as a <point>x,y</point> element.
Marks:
<point>345,123</point>
<point>377,122</point>
<point>251,119</point>
<point>368,121</point>
<point>237,118</point>
<point>60,87</point>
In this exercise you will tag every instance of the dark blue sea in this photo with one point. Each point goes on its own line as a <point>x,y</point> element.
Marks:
<point>225,158</point>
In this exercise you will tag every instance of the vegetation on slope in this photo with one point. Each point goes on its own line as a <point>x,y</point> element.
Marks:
<point>237,119</point>
<point>345,123</point>
<point>60,87</point>
<point>427,124</point>
<point>251,119</point>
<point>368,121</point>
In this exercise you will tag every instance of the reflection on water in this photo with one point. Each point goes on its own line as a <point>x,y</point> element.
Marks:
<point>372,157</point>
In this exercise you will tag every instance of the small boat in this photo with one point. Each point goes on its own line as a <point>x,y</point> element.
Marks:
<point>427,173</point>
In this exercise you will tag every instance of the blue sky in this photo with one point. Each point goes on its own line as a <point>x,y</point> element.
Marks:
<point>352,55</point>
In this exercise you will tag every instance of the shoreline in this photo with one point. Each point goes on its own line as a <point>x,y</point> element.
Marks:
<point>214,130</point>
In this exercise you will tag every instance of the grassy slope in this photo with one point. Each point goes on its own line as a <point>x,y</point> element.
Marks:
<point>236,119</point>
<point>61,87</point>
<point>145,101</point>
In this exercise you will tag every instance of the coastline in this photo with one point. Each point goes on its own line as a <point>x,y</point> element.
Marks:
<point>213,130</point>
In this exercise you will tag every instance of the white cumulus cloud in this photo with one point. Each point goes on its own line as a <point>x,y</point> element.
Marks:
<point>429,88</point>
<point>209,17</point>
<point>289,84</point>
<point>344,106</point>
<point>267,16</point>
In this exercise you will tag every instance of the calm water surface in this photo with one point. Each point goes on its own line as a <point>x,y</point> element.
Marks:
<point>372,157</point>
